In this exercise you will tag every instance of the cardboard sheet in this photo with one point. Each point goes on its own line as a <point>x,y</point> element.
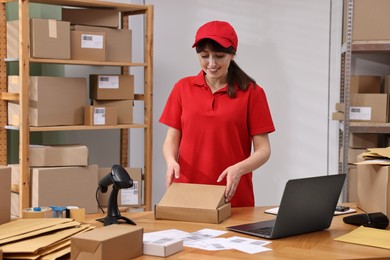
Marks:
<point>24,226</point>
<point>35,244</point>
<point>39,232</point>
<point>368,237</point>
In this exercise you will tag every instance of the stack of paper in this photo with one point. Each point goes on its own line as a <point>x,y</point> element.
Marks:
<point>380,156</point>
<point>47,238</point>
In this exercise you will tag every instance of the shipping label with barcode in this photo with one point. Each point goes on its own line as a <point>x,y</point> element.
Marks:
<point>92,41</point>
<point>360,113</point>
<point>108,82</point>
<point>130,196</point>
<point>99,116</point>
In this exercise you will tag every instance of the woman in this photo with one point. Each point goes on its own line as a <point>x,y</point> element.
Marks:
<point>214,118</point>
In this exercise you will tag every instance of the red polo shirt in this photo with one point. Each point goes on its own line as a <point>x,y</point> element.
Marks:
<point>216,131</point>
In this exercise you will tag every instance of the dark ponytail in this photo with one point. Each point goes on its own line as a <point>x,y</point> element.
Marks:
<point>236,76</point>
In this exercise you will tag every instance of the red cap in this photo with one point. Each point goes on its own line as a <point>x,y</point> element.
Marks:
<point>219,31</point>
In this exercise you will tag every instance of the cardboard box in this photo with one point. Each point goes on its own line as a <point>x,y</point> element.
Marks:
<point>91,16</point>
<point>90,46</point>
<point>369,107</point>
<point>126,197</point>
<point>119,242</point>
<point>352,184</point>
<point>58,155</point>
<point>125,109</point>
<point>119,42</point>
<point>48,39</point>
<point>100,115</point>
<point>5,194</point>
<point>163,247</point>
<point>338,116</point>
<point>363,140</point>
<point>370,20</point>
<point>365,84</point>
<point>53,101</point>
<point>111,87</point>
<point>352,155</point>
<point>65,186</point>
<point>373,188</point>
<point>193,202</point>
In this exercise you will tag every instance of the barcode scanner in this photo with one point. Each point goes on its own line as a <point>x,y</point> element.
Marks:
<point>374,220</point>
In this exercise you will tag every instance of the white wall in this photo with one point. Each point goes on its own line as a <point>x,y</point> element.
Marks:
<point>285,46</point>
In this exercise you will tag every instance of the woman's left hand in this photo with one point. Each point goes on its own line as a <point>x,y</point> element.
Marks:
<point>233,176</point>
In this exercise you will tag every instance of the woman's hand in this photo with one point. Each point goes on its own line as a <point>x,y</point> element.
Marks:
<point>233,175</point>
<point>173,171</point>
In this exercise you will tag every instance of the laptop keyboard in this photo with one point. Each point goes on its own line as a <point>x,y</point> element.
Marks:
<point>267,231</point>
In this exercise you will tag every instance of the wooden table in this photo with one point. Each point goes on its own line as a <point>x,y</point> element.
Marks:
<point>315,245</point>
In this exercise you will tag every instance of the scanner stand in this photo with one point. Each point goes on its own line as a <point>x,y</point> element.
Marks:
<point>113,214</point>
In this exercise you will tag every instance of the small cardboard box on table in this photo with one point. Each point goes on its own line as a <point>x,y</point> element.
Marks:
<point>117,241</point>
<point>194,202</point>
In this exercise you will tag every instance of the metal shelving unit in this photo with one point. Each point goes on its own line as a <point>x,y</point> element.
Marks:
<point>24,129</point>
<point>349,48</point>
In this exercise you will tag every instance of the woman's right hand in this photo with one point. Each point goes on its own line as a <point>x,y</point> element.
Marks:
<point>173,171</point>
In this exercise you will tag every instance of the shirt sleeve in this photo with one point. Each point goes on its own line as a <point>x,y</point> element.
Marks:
<point>259,117</point>
<point>171,115</point>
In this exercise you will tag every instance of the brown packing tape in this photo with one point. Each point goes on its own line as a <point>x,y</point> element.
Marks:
<point>52,28</point>
<point>30,213</point>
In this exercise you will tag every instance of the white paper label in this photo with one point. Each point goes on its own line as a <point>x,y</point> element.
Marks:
<point>360,113</point>
<point>130,196</point>
<point>108,82</point>
<point>99,116</point>
<point>91,41</point>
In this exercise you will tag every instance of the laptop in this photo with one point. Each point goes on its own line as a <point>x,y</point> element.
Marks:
<point>307,205</point>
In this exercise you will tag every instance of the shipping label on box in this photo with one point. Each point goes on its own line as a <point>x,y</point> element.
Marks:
<point>360,113</point>
<point>92,41</point>
<point>88,46</point>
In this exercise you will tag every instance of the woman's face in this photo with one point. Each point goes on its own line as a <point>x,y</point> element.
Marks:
<point>215,64</point>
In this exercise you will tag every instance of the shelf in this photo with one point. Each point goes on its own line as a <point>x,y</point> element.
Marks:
<point>83,62</point>
<point>369,47</point>
<point>368,127</point>
<point>77,127</point>
<point>129,8</point>
<point>146,125</point>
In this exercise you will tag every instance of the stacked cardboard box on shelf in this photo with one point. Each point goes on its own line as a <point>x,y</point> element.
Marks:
<point>60,176</point>
<point>107,90</point>
<point>53,100</point>
<point>49,39</point>
<point>368,103</point>
<point>370,20</point>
